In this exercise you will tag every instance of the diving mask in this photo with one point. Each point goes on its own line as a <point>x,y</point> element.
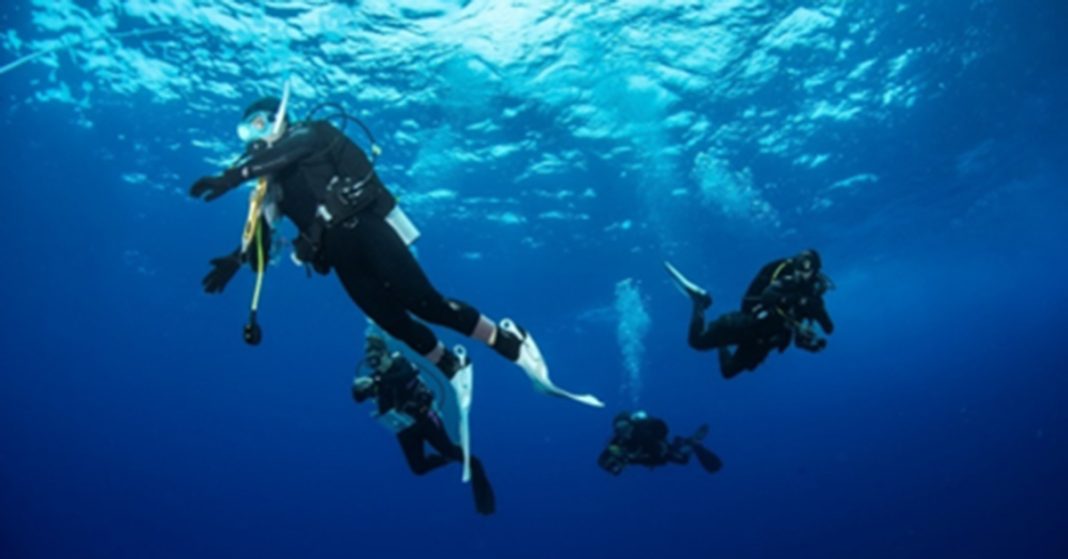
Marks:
<point>256,126</point>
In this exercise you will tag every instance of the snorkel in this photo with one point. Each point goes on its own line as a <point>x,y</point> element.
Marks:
<point>280,117</point>
<point>264,122</point>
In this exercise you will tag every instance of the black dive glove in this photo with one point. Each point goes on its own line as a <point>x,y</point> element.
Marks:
<point>212,188</point>
<point>223,270</point>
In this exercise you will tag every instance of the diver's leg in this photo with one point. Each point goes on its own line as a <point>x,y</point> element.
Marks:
<point>485,502</point>
<point>439,440</point>
<point>391,261</point>
<point>697,329</point>
<point>411,441</point>
<point>746,358</point>
<point>729,329</point>
<point>372,295</point>
<point>379,306</point>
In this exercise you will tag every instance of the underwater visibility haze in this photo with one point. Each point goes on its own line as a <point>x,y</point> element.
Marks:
<point>553,155</point>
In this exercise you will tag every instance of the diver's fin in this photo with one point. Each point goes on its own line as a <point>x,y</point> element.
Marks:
<point>700,434</point>
<point>708,459</point>
<point>464,383</point>
<point>485,502</point>
<point>532,363</point>
<point>687,287</point>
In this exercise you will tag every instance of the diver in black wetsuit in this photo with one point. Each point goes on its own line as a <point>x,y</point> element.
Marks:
<point>642,440</point>
<point>325,184</point>
<point>406,405</point>
<point>779,307</point>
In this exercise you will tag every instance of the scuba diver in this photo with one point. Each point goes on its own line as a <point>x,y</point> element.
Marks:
<point>313,174</point>
<point>640,439</point>
<point>780,306</point>
<point>407,406</point>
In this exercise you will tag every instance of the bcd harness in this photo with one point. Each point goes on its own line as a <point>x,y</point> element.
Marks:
<point>793,323</point>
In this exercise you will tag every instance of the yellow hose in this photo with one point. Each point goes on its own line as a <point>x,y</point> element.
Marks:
<point>259,267</point>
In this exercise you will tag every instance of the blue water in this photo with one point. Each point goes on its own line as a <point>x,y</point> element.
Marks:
<point>553,154</point>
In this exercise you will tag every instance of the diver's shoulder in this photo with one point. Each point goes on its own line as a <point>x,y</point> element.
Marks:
<point>320,127</point>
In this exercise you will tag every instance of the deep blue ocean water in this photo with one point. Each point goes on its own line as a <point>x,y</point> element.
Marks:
<point>548,151</point>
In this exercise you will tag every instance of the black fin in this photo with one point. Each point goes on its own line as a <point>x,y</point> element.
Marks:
<point>708,459</point>
<point>485,502</point>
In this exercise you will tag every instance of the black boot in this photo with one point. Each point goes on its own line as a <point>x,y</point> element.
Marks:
<point>507,344</point>
<point>701,299</point>
<point>449,364</point>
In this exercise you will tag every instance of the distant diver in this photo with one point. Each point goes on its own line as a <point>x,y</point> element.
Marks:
<point>781,304</point>
<point>639,439</point>
<point>409,408</point>
<point>313,174</point>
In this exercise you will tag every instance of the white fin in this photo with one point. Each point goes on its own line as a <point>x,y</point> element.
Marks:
<point>464,384</point>
<point>532,363</point>
<point>686,286</point>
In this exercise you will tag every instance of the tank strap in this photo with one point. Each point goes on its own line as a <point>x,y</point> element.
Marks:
<point>778,270</point>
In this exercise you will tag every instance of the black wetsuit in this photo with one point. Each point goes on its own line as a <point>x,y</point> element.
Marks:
<point>315,165</point>
<point>644,442</point>
<point>401,389</point>
<point>774,312</point>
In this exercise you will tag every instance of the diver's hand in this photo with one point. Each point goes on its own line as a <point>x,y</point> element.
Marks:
<point>223,270</point>
<point>212,187</point>
<point>825,323</point>
<point>807,339</point>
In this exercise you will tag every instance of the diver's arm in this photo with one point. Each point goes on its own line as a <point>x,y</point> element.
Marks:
<point>384,404</point>
<point>294,146</point>
<point>641,457</point>
<point>386,398</point>
<point>806,338</point>
<point>395,390</point>
<point>824,319</point>
<point>225,267</point>
<point>810,306</point>
<point>400,373</point>
<point>222,271</point>
<point>611,460</point>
